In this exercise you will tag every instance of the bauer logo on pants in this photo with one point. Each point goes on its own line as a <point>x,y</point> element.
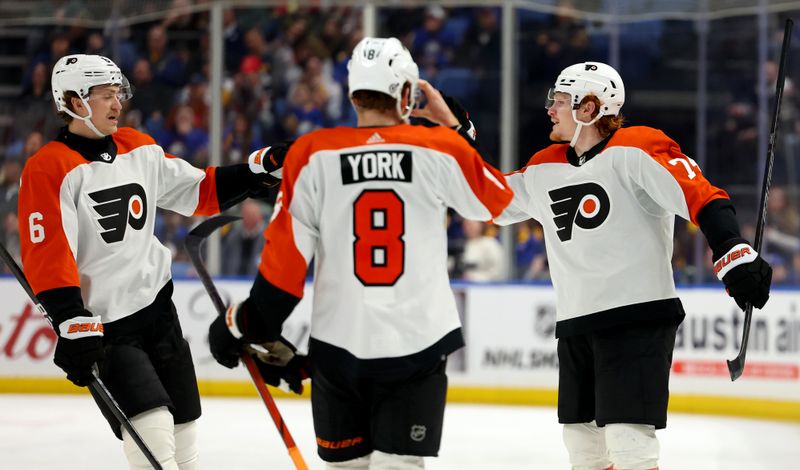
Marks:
<point>119,207</point>
<point>586,205</point>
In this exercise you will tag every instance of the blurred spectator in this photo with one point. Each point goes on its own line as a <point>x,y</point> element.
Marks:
<point>326,93</point>
<point>10,238</point>
<point>33,143</point>
<point>530,256</point>
<point>96,45</point>
<point>735,145</point>
<point>241,138</point>
<point>433,45</point>
<point>196,96</point>
<point>482,259</point>
<point>234,41</point>
<point>783,224</point>
<point>242,245</point>
<point>9,186</point>
<point>480,48</point>
<point>171,229</point>
<point>181,137</point>
<point>34,109</point>
<point>305,113</point>
<point>167,67</point>
<point>152,98</point>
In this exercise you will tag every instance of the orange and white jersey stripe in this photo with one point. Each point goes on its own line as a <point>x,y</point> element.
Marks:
<point>90,224</point>
<point>368,205</point>
<point>609,222</point>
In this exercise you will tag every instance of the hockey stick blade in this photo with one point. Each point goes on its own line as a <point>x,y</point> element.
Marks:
<point>736,365</point>
<point>96,386</point>
<point>192,243</point>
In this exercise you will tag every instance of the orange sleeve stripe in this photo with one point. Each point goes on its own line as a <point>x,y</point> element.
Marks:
<point>281,262</point>
<point>697,190</point>
<point>207,202</point>
<point>47,259</point>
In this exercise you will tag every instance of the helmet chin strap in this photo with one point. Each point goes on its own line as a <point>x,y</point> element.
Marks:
<point>580,125</point>
<point>86,120</point>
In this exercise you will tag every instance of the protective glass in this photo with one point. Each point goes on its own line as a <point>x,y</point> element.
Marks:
<point>124,93</point>
<point>552,100</point>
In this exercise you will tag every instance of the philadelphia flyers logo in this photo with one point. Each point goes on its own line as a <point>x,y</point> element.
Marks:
<point>119,207</point>
<point>586,205</point>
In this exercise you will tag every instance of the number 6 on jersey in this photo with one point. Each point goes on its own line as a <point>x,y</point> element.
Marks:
<point>378,226</point>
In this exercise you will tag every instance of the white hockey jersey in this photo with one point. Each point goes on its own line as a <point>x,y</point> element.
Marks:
<point>609,223</point>
<point>90,223</point>
<point>368,205</point>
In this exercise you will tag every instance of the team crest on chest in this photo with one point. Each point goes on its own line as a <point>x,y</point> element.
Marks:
<point>586,205</point>
<point>119,207</point>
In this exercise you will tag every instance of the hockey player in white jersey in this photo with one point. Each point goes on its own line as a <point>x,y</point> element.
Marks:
<point>368,206</point>
<point>607,197</point>
<point>87,207</point>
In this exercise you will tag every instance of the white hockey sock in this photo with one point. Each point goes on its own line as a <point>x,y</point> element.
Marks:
<point>157,431</point>
<point>186,450</point>
<point>361,463</point>
<point>632,446</point>
<point>383,461</point>
<point>586,446</point>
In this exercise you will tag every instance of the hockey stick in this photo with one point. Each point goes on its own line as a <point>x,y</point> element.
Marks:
<point>736,365</point>
<point>96,386</point>
<point>193,241</point>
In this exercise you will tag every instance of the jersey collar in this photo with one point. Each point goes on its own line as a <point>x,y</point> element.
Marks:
<point>95,150</point>
<point>576,160</point>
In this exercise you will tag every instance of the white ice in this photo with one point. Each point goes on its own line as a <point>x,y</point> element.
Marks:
<point>60,432</point>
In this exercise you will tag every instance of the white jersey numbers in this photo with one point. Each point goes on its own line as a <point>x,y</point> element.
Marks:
<point>687,163</point>
<point>378,226</point>
<point>36,230</point>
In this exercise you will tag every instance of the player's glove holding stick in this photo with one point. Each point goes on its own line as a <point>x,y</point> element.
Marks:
<point>276,360</point>
<point>746,275</point>
<point>79,347</point>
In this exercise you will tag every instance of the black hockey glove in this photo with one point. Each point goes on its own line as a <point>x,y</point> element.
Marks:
<point>266,167</point>
<point>225,339</point>
<point>79,347</point>
<point>279,365</point>
<point>746,275</point>
<point>465,126</point>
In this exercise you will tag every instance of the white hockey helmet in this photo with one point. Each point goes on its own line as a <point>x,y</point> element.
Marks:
<point>79,73</point>
<point>384,65</point>
<point>592,78</point>
<point>589,78</point>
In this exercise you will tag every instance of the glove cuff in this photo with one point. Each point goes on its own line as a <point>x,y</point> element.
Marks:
<point>81,327</point>
<point>256,160</point>
<point>231,317</point>
<point>740,253</point>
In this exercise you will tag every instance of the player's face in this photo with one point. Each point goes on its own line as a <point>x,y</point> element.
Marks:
<point>106,108</point>
<point>560,114</point>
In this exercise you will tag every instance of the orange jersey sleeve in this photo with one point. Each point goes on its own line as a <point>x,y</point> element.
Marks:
<point>697,190</point>
<point>47,219</point>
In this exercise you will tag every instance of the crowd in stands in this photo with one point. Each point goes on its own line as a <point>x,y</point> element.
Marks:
<point>285,74</point>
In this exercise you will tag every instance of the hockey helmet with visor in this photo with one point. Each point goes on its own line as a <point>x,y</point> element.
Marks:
<point>79,73</point>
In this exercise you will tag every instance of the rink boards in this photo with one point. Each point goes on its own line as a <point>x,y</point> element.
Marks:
<point>510,355</point>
